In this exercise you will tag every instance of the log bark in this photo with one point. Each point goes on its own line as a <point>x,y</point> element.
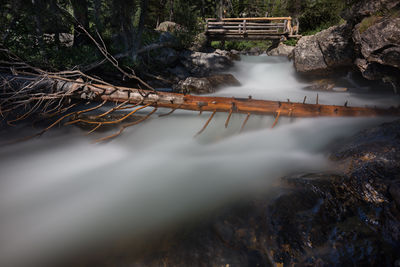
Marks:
<point>236,105</point>
<point>104,92</point>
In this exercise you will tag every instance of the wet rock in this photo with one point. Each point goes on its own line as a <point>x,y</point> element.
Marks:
<point>220,80</point>
<point>201,64</point>
<point>373,160</point>
<point>193,85</point>
<point>235,55</point>
<point>319,221</point>
<point>254,51</point>
<point>281,50</point>
<point>206,85</point>
<point>325,85</point>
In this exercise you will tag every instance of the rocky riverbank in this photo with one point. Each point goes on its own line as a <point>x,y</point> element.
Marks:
<point>350,217</point>
<point>369,42</point>
<point>194,71</point>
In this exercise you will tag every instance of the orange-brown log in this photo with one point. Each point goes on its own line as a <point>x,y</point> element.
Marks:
<point>239,105</point>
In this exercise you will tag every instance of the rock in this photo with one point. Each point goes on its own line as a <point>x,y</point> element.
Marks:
<point>321,85</point>
<point>179,71</point>
<point>281,50</point>
<point>336,45</point>
<point>235,55</point>
<point>254,51</point>
<point>378,40</point>
<point>370,71</point>
<point>66,39</point>
<point>169,26</point>
<point>166,37</point>
<point>206,85</point>
<point>324,221</point>
<point>308,57</point>
<point>199,43</point>
<point>365,8</point>
<point>201,64</point>
<point>324,52</point>
<point>349,218</point>
<point>378,146</point>
<point>166,56</point>
<point>220,80</point>
<point>193,85</point>
<point>325,85</point>
<point>394,191</point>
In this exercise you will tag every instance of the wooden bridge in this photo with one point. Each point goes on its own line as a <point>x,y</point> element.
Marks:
<point>267,28</point>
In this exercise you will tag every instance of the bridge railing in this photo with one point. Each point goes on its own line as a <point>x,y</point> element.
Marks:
<point>249,27</point>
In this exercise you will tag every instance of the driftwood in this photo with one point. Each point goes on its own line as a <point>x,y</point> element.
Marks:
<point>56,90</point>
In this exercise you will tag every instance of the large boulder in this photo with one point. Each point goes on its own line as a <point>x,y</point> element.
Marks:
<point>201,64</point>
<point>326,51</point>
<point>336,45</point>
<point>378,42</point>
<point>308,57</point>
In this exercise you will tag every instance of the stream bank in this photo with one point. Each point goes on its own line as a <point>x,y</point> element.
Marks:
<point>367,42</point>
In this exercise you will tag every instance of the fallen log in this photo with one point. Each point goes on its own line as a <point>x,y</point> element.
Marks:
<point>78,89</point>
<point>235,105</point>
<point>50,92</point>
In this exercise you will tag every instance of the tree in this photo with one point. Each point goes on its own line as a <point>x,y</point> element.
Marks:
<point>80,8</point>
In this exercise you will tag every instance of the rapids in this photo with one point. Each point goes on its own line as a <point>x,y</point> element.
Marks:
<point>61,194</point>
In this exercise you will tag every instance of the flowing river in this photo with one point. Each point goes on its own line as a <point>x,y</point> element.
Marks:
<point>61,194</point>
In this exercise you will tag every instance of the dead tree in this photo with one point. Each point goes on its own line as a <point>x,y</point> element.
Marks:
<point>53,94</point>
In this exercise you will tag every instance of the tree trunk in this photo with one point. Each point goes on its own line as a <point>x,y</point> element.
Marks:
<point>123,12</point>
<point>140,28</point>
<point>37,7</point>
<point>237,105</point>
<point>80,8</point>
<point>99,92</point>
<point>171,10</point>
<point>221,9</point>
<point>97,15</point>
